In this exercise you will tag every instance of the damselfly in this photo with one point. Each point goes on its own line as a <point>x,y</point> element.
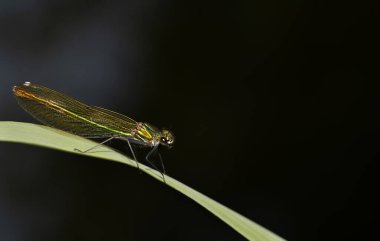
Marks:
<point>62,112</point>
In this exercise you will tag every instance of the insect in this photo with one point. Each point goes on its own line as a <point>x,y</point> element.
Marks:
<point>57,110</point>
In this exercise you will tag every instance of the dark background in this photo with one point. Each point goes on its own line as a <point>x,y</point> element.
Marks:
<point>274,104</point>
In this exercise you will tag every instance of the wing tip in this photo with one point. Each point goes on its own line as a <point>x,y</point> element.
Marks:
<point>26,83</point>
<point>16,88</point>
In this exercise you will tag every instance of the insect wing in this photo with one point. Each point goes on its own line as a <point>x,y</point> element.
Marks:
<point>60,111</point>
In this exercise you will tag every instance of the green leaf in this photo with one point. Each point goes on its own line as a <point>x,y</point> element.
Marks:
<point>52,138</point>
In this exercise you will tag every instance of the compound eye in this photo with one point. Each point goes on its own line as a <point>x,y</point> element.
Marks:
<point>164,140</point>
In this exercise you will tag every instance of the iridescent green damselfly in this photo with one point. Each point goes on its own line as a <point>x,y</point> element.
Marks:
<point>57,110</point>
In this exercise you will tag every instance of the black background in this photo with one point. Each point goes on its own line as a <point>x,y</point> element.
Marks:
<point>274,105</point>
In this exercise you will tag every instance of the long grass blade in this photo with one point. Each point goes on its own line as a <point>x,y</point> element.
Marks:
<point>52,138</point>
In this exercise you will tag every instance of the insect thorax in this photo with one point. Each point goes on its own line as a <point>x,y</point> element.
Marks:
<point>147,134</point>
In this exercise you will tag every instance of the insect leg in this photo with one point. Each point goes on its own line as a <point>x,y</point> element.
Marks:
<point>100,144</point>
<point>133,154</point>
<point>154,149</point>
<point>162,163</point>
